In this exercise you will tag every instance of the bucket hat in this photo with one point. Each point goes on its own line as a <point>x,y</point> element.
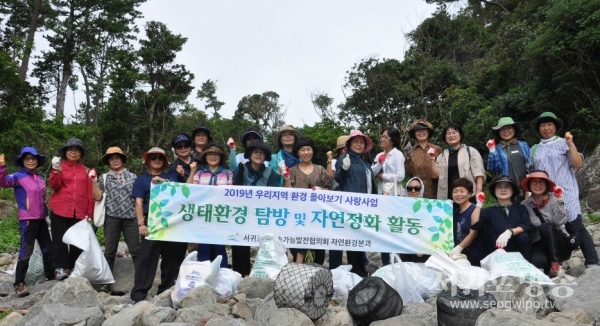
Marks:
<point>504,121</point>
<point>156,150</point>
<point>248,133</point>
<point>540,174</point>
<point>30,150</point>
<point>503,178</point>
<point>341,142</point>
<point>357,133</point>
<point>260,145</point>
<point>113,150</point>
<point>283,129</point>
<point>73,142</point>
<point>214,148</point>
<point>204,129</point>
<point>420,124</point>
<point>535,125</point>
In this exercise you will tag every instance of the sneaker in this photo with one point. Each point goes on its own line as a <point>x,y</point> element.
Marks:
<point>60,274</point>
<point>21,290</point>
<point>556,269</point>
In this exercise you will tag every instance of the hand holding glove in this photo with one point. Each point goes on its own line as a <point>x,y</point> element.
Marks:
<point>93,175</point>
<point>558,192</point>
<point>480,199</point>
<point>346,163</point>
<point>281,168</point>
<point>231,143</point>
<point>408,150</point>
<point>503,239</point>
<point>456,251</point>
<point>491,145</point>
<point>431,152</point>
<point>387,188</point>
<point>56,163</point>
<point>381,158</point>
<point>286,173</point>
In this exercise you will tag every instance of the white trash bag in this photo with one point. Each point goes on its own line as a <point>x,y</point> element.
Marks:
<point>399,277</point>
<point>501,263</point>
<point>192,274</point>
<point>227,282</point>
<point>270,259</point>
<point>343,282</point>
<point>91,264</point>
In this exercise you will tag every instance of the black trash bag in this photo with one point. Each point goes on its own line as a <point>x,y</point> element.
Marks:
<point>463,308</point>
<point>306,287</point>
<point>373,299</point>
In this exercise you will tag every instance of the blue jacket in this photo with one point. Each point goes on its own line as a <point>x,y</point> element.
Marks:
<point>30,192</point>
<point>355,178</point>
<point>498,161</point>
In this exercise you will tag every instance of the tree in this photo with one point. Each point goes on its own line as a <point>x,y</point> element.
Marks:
<point>207,93</point>
<point>323,104</point>
<point>263,110</point>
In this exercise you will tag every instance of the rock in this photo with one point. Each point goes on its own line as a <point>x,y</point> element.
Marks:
<point>198,296</point>
<point>7,208</point>
<point>5,259</point>
<point>255,287</point>
<point>6,284</point>
<point>265,309</point>
<point>418,308</point>
<point>588,179</point>
<point>11,319</point>
<point>194,314</point>
<point>131,316</point>
<point>584,294</point>
<point>114,300</point>
<point>568,317</point>
<point>164,299</point>
<point>501,317</point>
<point>242,310</point>
<point>36,293</point>
<point>158,315</point>
<point>522,296</point>
<point>124,274</point>
<point>225,321</point>
<point>407,320</point>
<point>61,314</point>
<point>253,303</point>
<point>289,317</point>
<point>336,316</point>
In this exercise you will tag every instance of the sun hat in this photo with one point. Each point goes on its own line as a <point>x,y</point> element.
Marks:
<point>341,142</point>
<point>277,136</point>
<point>156,150</point>
<point>30,150</point>
<point>214,148</point>
<point>259,145</point>
<point>546,116</point>
<point>249,133</point>
<point>73,142</point>
<point>357,133</point>
<point>503,178</point>
<point>420,124</point>
<point>114,150</point>
<point>539,174</point>
<point>205,130</point>
<point>504,121</point>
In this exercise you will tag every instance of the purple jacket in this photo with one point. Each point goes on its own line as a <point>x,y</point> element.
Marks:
<point>30,192</point>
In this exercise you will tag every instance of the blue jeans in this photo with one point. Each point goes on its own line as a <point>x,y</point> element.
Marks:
<point>587,243</point>
<point>210,252</point>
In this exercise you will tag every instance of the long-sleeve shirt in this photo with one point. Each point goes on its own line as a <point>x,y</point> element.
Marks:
<point>470,166</point>
<point>496,221</point>
<point>514,165</point>
<point>221,176</point>
<point>392,169</point>
<point>72,195</point>
<point>30,192</point>
<point>552,212</point>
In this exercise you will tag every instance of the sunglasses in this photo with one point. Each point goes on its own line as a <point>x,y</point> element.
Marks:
<point>182,145</point>
<point>155,157</point>
<point>416,188</point>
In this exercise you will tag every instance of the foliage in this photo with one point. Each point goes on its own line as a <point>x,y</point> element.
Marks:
<point>9,228</point>
<point>207,92</point>
<point>324,134</point>
<point>263,110</point>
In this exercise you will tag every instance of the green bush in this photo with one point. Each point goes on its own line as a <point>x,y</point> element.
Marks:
<point>9,228</point>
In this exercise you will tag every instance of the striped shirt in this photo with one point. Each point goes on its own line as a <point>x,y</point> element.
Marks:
<point>552,156</point>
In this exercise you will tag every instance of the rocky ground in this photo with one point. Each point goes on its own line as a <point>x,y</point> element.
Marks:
<point>575,300</point>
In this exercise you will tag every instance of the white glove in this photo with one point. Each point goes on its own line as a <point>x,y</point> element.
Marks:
<point>281,168</point>
<point>491,145</point>
<point>387,188</point>
<point>56,163</point>
<point>503,239</point>
<point>408,150</point>
<point>346,163</point>
<point>316,188</point>
<point>93,175</point>
<point>456,251</point>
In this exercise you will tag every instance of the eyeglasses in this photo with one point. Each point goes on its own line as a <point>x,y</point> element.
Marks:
<point>30,158</point>
<point>182,145</point>
<point>155,157</point>
<point>416,188</point>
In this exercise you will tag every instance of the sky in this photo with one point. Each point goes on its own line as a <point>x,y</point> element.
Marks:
<point>294,48</point>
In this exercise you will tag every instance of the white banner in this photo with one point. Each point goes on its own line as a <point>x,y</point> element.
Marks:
<point>301,218</point>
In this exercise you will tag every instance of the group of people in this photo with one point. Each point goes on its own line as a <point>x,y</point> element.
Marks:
<point>536,210</point>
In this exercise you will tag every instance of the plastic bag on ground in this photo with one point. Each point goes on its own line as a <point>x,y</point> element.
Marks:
<point>398,277</point>
<point>502,263</point>
<point>343,282</point>
<point>91,264</point>
<point>270,259</point>
<point>227,282</point>
<point>192,274</point>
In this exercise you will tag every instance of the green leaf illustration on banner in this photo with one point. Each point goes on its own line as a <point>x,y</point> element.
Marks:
<point>173,190</point>
<point>164,202</point>
<point>185,191</point>
<point>160,234</point>
<point>153,207</point>
<point>167,213</point>
<point>417,206</point>
<point>159,214</point>
<point>433,229</point>
<point>155,191</point>
<point>435,237</point>
<point>437,219</point>
<point>442,230</point>
<point>429,207</point>
<point>163,187</point>
<point>448,223</point>
<point>448,209</point>
<point>164,222</point>
<point>439,204</point>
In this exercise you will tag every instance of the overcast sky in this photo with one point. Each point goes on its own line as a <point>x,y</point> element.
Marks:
<point>290,47</point>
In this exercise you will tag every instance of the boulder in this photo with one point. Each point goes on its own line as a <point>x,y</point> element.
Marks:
<point>289,317</point>
<point>407,320</point>
<point>131,316</point>
<point>61,314</point>
<point>501,317</point>
<point>584,294</point>
<point>242,310</point>
<point>336,316</point>
<point>588,179</point>
<point>225,321</point>
<point>158,315</point>
<point>6,284</point>
<point>36,293</point>
<point>124,274</point>
<point>5,259</point>
<point>568,317</point>
<point>522,296</point>
<point>265,309</point>
<point>418,308</point>
<point>11,319</point>
<point>164,299</point>
<point>255,287</point>
<point>194,314</point>
<point>198,296</point>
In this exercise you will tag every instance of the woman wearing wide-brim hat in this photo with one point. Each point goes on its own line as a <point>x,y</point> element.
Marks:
<point>72,200</point>
<point>508,155</point>
<point>548,218</point>
<point>249,136</point>
<point>340,148</point>
<point>283,142</point>
<point>507,225</point>
<point>151,251</point>
<point>30,193</point>
<point>201,136</point>
<point>120,218</point>
<point>417,163</point>
<point>559,158</point>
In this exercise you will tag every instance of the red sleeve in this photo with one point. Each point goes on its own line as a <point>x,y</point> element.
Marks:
<point>91,201</point>
<point>55,179</point>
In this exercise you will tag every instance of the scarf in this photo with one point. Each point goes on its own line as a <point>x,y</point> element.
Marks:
<point>549,140</point>
<point>505,206</point>
<point>509,142</point>
<point>289,158</point>
<point>213,175</point>
<point>253,174</point>
<point>537,205</point>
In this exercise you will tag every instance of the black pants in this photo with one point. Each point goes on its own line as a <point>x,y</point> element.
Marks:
<point>30,231</point>
<point>355,258</point>
<point>240,259</point>
<point>172,254</point>
<point>520,243</point>
<point>64,256</point>
<point>552,247</point>
<point>113,227</point>
<point>587,243</point>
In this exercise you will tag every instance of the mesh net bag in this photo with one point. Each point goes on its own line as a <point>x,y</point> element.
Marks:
<point>373,299</point>
<point>306,287</point>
